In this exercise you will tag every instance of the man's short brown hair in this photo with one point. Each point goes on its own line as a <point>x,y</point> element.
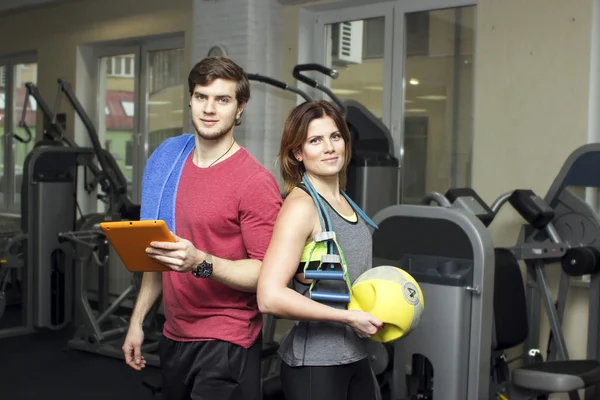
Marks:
<point>212,68</point>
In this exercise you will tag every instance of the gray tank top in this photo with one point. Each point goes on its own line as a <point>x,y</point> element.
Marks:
<point>329,343</point>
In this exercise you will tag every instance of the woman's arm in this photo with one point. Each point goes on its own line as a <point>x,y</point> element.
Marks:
<point>294,225</point>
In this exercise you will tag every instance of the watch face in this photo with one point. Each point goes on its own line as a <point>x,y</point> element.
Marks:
<point>204,270</point>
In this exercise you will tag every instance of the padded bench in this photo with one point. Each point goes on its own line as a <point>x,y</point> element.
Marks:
<point>511,330</point>
<point>557,376</point>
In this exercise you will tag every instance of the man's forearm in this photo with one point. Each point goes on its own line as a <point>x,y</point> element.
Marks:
<point>149,291</point>
<point>240,275</point>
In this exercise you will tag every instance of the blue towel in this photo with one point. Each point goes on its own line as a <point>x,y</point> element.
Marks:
<point>161,179</point>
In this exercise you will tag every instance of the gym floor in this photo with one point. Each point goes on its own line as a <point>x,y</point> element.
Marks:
<point>40,365</point>
<point>37,366</point>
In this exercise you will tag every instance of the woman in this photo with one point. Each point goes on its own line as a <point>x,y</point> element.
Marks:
<point>325,355</point>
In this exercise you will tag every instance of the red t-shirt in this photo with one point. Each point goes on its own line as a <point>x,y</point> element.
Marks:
<point>227,210</point>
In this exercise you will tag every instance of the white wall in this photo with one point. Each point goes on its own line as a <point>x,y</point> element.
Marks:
<point>531,93</point>
<point>55,32</point>
<point>252,37</point>
<point>63,36</point>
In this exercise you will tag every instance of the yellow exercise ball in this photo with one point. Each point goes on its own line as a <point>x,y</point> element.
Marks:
<point>391,295</point>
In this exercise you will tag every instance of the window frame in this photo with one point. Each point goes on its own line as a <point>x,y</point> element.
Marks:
<point>8,205</point>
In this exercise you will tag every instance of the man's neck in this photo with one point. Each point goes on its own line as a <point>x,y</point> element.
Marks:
<point>209,151</point>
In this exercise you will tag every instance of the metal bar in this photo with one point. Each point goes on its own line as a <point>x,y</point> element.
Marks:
<point>500,201</point>
<point>456,97</point>
<point>115,304</point>
<point>553,233</point>
<point>552,313</point>
<point>561,300</point>
<point>440,199</point>
<point>533,310</point>
<point>114,333</point>
<point>593,348</point>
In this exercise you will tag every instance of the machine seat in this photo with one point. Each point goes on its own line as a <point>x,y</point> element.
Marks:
<point>557,376</point>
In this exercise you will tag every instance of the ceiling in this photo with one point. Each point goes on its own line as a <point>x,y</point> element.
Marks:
<point>13,5</point>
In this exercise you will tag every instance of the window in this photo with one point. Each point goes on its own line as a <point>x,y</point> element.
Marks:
<point>373,38</point>
<point>128,108</point>
<point>412,66</point>
<point>356,48</point>
<point>120,66</point>
<point>438,69</point>
<point>142,89</point>
<point>165,69</point>
<point>14,74</point>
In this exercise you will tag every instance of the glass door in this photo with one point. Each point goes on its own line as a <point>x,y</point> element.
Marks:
<point>433,93</point>
<point>18,132</point>
<point>410,63</point>
<point>118,87</point>
<point>140,103</point>
<point>17,126</point>
<point>3,127</point>
<point>165,93</point>
<point>357,42</point>
<point>141,98</point>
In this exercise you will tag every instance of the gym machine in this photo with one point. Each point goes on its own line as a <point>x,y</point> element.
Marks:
<point>512,325</point>
<point>106,173</point>
<point>373,172</point>
<point>449,252</point>
<point>462,279</point>
<point>76,237</point>
<point>101,331</point>
<point>48,203</point>
<point>578,225</point>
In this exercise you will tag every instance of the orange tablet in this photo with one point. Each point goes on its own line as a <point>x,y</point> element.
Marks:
<point>130,239</point>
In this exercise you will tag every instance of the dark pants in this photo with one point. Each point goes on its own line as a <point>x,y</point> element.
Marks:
<point>353,381</point>
<point>213,370</point>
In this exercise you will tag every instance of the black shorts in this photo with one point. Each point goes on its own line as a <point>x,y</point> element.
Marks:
<point>354,381</point>
<point>212,370</point>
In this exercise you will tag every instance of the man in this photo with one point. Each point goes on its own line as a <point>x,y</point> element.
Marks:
<point>221,205</point>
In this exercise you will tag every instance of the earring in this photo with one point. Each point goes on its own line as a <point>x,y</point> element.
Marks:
<point>299,158</point>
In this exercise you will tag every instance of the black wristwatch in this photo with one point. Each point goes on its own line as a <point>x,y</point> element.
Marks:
<point>205,269</point>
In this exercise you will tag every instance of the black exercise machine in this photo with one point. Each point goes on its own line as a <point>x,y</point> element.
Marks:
<point>539,245</point>
<point>102,331</point>
<point>48,204</point>
<point>79,240</point>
